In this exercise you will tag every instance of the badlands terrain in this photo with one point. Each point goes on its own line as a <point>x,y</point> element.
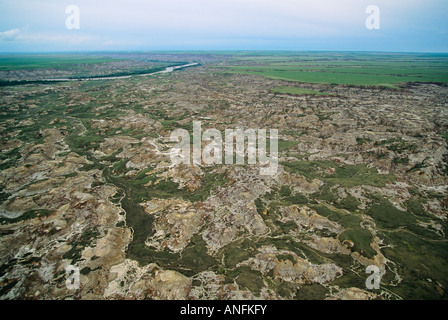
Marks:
<point>86,180</point>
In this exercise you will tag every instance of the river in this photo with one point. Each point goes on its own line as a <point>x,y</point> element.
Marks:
<point>167,70</point>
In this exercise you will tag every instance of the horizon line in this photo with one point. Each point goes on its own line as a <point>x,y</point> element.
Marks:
<point>215,50</point>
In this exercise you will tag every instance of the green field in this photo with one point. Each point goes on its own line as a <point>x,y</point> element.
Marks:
<point>346,68</point>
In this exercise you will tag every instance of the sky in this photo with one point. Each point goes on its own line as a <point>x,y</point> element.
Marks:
<point>154,25</point>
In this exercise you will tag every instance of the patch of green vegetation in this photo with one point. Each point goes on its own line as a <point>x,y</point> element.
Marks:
<point>415,206</point>
<point>361,238</point>
<point>30,214</point>
<point>235,253</point>
<point>324,115</point>
<point>381,155</point>
<point>286,289</point>
<point>169,124</point>
<point>398,160</point>
<point>153,135</point>
<point>401,147</point>
<point>63,154</point>
<point>388,141</point>
<point>6,288</point>
<point>350,279</point>
<point>86,141</point>
<point>362,141</point>
<point>296,199</point>
<point>210,181</point>
<point>247,278</point>
<point>435,195</point>
<point>282,144</point>
<point>71,175</point>
<point>285,191</point>
<point>350,176</point>
<point>6,266</point>
<point>268,205</point>
<point>418,166</point>
<point>325,211</point>
<point>308,169</point>
<point>112,157</point>
<point>444,135</point>
<point>9,158</point>
<point>326,194</point>
<point>195,255</point>
<point>170,189</point>
<point>349,203</point>
<point>388,217</point>
<point>165,189</point>
<point>4,196</point>
<point>314,291</point>
<point>346,176</point>
<point>259,205</point>
<point>312,255</point>
<point>85,270</point>
<point>78,245</point>
<point>120,166</point>
<point>417,260</point>
<point>287,227</point>
<point>172,123</point>
<point>292,132</point>
<point>91,166</point>
<point>285,257</point>
<point>352,224</point>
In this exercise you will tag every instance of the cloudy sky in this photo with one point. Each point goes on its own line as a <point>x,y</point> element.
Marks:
<point>404,25</point>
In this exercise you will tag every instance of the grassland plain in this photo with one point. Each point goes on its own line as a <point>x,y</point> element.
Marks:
<point>347,68</point>
<point>341,199</point>
<point>40,61</point>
